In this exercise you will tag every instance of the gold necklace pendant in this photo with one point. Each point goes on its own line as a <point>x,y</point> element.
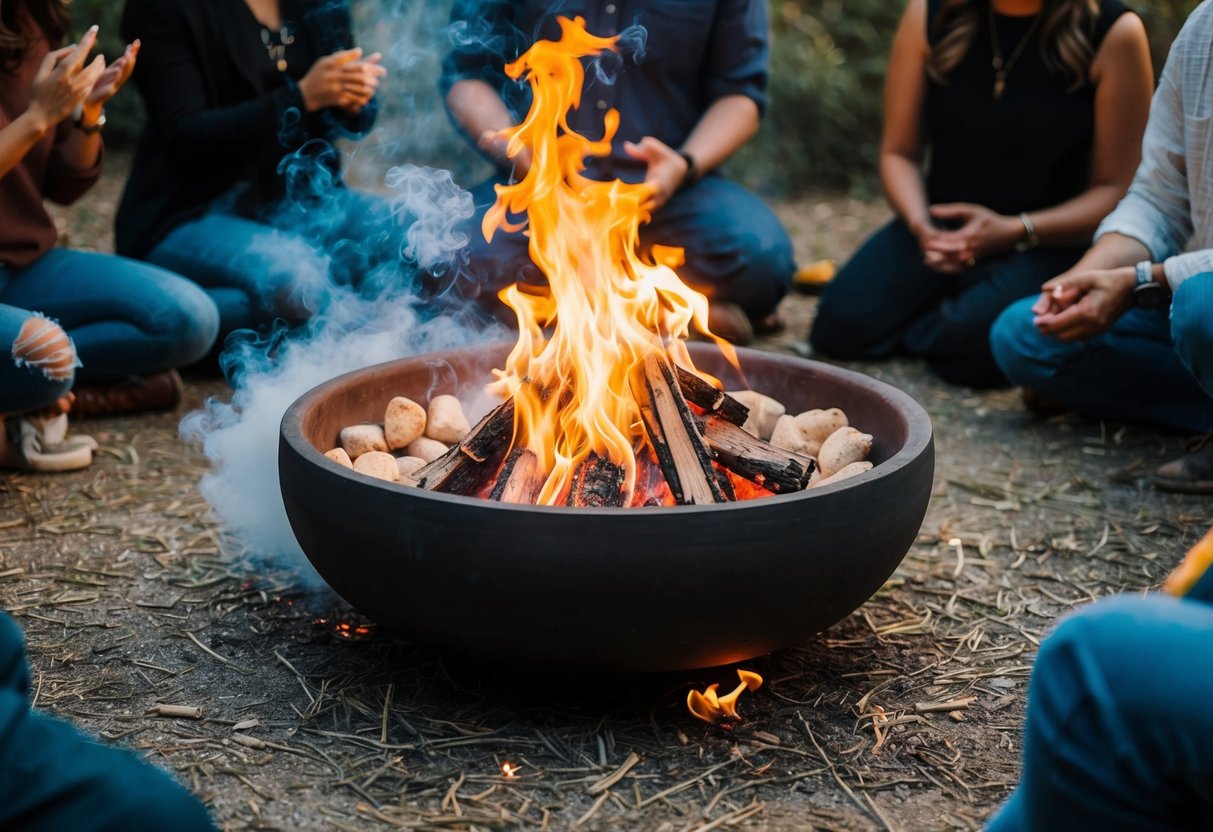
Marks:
<point>1000,84</point>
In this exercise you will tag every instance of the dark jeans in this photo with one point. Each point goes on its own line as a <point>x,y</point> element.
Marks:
<point>885,301</point>
<point>53,778</point>
<point>735,247</point>
<point>1151,367</point>
<point>1119,735</point>
<point>125,317</point>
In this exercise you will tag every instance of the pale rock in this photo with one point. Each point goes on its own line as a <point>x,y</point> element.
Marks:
<point>790,435</point>
<point>360,439</point>
<point>403,421</point>
<point>378,464</point>
<point>427,449</point>
<point>409,465</point>
<point>446,421</point>
<point>339,456</point>
<point>764,413</point>
<point>851,470</point>
<point>841,448</point>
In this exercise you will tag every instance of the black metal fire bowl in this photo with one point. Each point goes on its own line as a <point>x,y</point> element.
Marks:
<point>638,589</point>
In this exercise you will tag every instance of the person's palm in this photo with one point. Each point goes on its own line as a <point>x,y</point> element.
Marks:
<point>115,75</point>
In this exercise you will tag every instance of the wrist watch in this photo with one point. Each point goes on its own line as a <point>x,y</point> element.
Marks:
<point>90,129</point>
<point>1148,293</point>
<point>692,174</point>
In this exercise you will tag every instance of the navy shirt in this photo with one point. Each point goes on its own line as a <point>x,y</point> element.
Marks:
<point>694,52</point>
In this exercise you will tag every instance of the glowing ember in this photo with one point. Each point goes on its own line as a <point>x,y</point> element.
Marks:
<point>509,769</point>
<point>608,308</point>
<point>712,708</point>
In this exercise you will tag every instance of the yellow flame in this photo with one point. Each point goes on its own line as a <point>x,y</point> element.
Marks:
<point>609,307</point>
<point>509,769</point>
<point>712,708</point>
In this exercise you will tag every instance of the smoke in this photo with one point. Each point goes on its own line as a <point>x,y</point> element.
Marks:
<point>365,278</point>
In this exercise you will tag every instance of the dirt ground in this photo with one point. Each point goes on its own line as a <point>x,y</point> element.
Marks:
<point>907,715</point>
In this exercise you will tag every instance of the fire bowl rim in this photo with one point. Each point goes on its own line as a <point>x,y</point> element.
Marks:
<point>919,438</point>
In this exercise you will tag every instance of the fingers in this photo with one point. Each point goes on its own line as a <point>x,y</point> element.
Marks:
<point>951,211</point>
<point>75,57</point>
<point>345,56</point>
<point>642,150</point>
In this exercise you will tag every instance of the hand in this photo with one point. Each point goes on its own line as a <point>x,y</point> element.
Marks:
<point>63,81</point>
<point>494,144</point>
<point>112,79</point>
<point>340,80</point>
<point>666,169</point>
<point>361,81</point>
<point>939,252</point>
<point>1077,305</point>
<point>982,232</point>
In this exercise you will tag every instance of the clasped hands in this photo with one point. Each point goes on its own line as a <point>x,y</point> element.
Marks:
<point>1078,304</point>
<point>344,80</point>
<point>979,232</point>
<point>64,83</point>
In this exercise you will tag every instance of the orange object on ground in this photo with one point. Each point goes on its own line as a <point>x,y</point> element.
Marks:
<point>1190,570</point>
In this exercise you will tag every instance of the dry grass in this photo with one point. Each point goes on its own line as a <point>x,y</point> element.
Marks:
<point>297,714</point>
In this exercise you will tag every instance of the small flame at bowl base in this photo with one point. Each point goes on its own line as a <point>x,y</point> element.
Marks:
<point>714,709</point>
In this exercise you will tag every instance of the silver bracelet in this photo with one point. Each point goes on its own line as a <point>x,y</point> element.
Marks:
<point>1030,240</point>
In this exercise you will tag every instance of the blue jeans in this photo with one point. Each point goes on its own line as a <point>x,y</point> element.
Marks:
<point>55,778</point>
<point>1146,368</point>
<point>125,317</point>
<point>885,301</point>
<point>24,386</point>
<point>735,247</point>
<point>1119,735</point>
<point>285,268</point>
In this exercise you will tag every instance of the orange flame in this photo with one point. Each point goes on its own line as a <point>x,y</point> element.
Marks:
<point>712,708</point>
<point>609,307</point>
<point>509,769</point>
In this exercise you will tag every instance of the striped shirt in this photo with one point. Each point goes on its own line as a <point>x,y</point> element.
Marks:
<point>1169,206</point>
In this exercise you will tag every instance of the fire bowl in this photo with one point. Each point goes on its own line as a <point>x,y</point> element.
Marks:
<point>633,589</point>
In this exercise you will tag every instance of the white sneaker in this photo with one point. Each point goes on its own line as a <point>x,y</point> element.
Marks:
<point>40,443</point>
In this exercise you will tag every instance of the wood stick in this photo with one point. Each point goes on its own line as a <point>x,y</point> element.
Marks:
<point>520,478</point>
<point>760,462</point>
<point>674,434</point>
<point>597,483</point>
<point>716,402</point>
<point>175,711</point>
<point>466,466</point>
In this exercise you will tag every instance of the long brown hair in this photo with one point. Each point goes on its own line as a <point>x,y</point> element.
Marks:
<point>50,16</point>
<point>1065,39</point>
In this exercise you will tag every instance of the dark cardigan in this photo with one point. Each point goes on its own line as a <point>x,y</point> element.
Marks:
<point>216,117</point>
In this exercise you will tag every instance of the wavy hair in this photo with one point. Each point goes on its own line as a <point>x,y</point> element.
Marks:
<point>1065,37</point>
<point>16,34</point>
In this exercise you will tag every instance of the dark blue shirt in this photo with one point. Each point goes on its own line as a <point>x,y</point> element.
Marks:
<point>694,52</point>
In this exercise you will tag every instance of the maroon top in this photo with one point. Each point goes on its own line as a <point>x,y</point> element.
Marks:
<point>26,229</point>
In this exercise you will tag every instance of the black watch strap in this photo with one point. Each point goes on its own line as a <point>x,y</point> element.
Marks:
<point>1148,293</point>
<point>692,174</point>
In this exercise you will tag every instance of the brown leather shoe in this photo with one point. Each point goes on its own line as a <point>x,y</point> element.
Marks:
<point>1191,474</point>
<point>137,394</point>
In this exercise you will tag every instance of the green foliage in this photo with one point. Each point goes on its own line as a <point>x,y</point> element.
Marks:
<point>124,113</point>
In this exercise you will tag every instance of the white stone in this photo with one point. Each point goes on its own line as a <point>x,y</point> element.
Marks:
<point>841,448</point>
<point>403,421</point>
<point>409,465</point>
<point>339,456</point>
<point>360,439</point>
<point>790,435</point>
<point>377,464</point>
<point>425,448</point>
<point>848,471</point>
<point>445,421</point>
<point>764,412</point>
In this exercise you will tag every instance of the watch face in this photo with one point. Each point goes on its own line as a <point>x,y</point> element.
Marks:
<point>1150,296</point>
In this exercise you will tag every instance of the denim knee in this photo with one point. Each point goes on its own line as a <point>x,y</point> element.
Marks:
<point>1192,327</point>
<point>193,322</point>
<point>1017,345</point>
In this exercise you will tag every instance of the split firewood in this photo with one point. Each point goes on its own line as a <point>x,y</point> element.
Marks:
<point>805,432</point>
<point>851,470</point>
<point>403,422</point>
<point>425,448</point>
<point>597,483</point>
<point>360,439</point>
<point>520,479</point>
<point>377,464</point>
<point>339,456</point>
<point>715,401</point>
<point>409,465</point>
<point>764,413</point>
<point>674,434</point>
<point>467,465</point>
<point>775,469</point>
<point>841,448</point>
<point>445,420</point>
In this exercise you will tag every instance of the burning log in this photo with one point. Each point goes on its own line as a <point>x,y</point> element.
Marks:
<point>466,466</point>
<point>520,479</point>
<point>674,434</point>
<point>715,401</point>
<point>748,456</point>
<point>596,483</point>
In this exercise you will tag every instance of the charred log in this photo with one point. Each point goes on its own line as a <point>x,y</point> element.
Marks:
<point>760,462</point>
<point>520,478</point>
<point>597,483</point>
<point>674,434</point>
<point>467,466</point>
<point>716,402</point>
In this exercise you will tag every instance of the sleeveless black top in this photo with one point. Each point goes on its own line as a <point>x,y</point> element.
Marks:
<point>1028,149</point>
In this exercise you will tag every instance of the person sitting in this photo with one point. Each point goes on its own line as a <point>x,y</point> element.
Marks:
<point>132,324</point>
<point>1127,333</point>
<point>235,183</point>
<point>1031,112</point>
<point>1117,735</point>
<point>686,103</point>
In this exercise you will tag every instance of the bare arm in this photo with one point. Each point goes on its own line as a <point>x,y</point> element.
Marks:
<point>725,127</point>
<point>901,146</point>
<point>482,114</point>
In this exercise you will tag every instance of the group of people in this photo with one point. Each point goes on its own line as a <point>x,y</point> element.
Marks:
<point>1054,218</point>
